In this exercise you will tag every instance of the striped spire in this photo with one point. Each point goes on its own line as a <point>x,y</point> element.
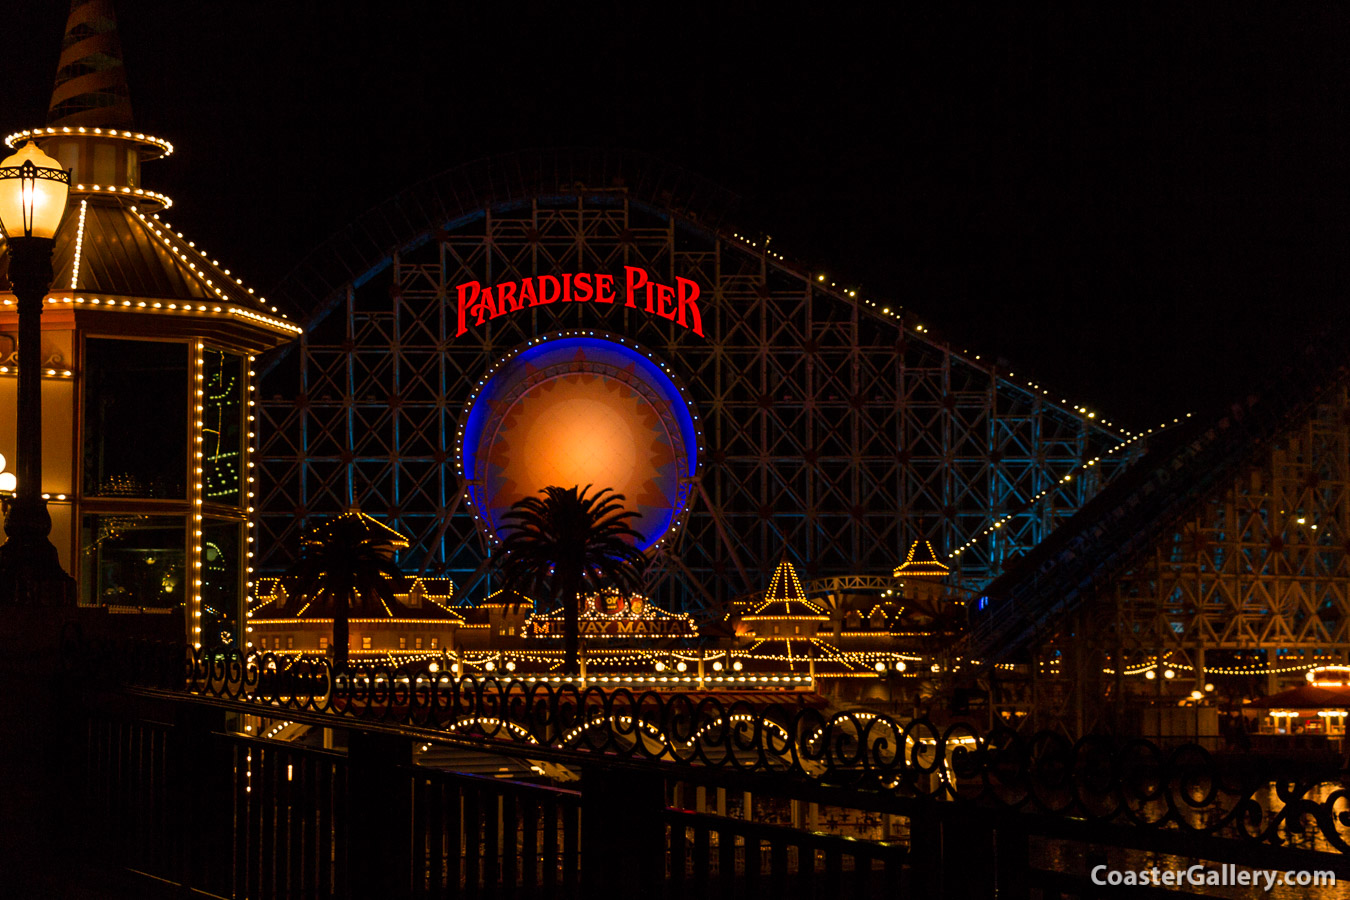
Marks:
<point>91,84</point>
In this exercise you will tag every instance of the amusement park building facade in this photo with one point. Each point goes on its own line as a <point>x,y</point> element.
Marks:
<point>147,348</point>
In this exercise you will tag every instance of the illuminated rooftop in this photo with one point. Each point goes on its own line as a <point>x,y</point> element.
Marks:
<point>921,562</point>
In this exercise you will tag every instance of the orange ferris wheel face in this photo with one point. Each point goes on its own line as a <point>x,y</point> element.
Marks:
<point>575,410</point>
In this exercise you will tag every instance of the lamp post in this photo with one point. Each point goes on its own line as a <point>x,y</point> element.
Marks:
<point>33,191</point>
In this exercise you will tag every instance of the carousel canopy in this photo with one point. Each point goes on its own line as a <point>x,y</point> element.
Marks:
<point>786,598</point>
<point>1306,696</point>
<point>921,562</point>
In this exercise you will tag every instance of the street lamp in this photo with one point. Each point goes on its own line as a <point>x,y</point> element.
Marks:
<point>33,191</point>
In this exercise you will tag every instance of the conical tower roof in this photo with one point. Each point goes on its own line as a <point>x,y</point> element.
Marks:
<point>786,597</point>
<point>921,562</point>
<point>347,532</point>
<point>114,252</point>
<point>366,527</point>
<point>91,83</point>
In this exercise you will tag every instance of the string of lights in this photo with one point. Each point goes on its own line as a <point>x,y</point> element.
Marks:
<point>822,280</point>
<point>1064,479</point>
<point>250,439</point>
<point>153,147</point>
<point>79,244</point>
<point>195,547</point>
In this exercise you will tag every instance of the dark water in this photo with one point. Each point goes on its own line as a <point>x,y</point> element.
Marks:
<point>1071,857</point>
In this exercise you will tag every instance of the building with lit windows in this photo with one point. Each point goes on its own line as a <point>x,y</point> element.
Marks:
<point>781,640</point>
<point>148,347</point>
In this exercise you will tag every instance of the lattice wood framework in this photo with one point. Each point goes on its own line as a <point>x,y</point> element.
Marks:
<point>832,430</point>
<point>1260,564</point>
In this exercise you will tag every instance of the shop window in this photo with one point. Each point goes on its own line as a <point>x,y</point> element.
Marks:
<point>133,560</point>
<point>135,419</point>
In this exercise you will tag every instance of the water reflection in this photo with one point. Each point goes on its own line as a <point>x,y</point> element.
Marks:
<point>1078,859</point>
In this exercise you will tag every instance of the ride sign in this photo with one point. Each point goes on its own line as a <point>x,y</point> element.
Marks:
<point>477,304</point>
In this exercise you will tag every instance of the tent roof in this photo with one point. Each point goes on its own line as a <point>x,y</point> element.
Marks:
<point>1306,696</point>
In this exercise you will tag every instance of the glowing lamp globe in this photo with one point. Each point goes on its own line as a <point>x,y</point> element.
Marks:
<point>33,191</point>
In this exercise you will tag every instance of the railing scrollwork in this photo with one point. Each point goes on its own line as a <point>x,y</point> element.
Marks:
<point>1098,778</point>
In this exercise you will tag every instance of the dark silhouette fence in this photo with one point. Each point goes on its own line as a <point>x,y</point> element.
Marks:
<point>176,792</point>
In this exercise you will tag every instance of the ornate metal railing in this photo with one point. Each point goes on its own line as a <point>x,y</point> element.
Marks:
<point>1099,779</point>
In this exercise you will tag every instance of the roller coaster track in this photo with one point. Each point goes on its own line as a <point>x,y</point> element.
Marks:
<point>1139,508</point>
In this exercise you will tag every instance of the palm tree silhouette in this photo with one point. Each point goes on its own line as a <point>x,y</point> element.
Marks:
<point>347,563</point>
<point>558,544</point>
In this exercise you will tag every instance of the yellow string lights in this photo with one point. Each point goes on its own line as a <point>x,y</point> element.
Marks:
<point>250,431</point>
<point>155,198</point>
<point>79,244</point>
<point>1150,669</point>
<point>633,616</point>
<point>1329,676</point>
<point>122,304</point>
<point>46,373</point>
<point>157,147</point>
<point>1056,482</point>
<point>927,565</point>
<point>195,546</point>
<point>823,281</point>
<point>190,255</point>
<point>784,594</point>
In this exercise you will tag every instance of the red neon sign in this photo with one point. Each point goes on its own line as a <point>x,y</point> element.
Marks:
<point>678,302</point>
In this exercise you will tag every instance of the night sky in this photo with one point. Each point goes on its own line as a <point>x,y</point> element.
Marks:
<point>1142,209</point>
